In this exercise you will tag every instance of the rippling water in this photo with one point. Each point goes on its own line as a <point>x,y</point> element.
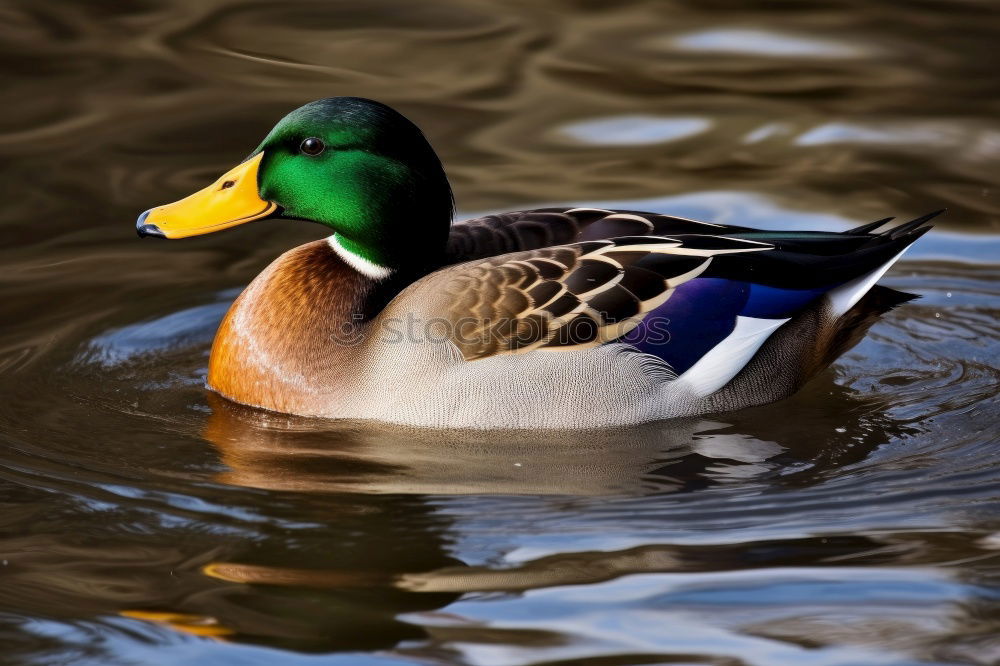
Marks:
<point>144,521</point>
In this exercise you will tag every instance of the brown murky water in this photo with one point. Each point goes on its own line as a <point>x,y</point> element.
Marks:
<point>144,522</point>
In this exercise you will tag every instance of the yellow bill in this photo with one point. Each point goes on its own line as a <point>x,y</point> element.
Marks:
<point>231,200</point>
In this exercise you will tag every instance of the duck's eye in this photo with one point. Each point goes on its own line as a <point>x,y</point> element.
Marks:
<point>312,146</point>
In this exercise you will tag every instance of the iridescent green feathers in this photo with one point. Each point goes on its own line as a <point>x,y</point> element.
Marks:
<point>376,182</point>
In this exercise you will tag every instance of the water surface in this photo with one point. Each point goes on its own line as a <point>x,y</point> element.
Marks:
<point>143,520</point>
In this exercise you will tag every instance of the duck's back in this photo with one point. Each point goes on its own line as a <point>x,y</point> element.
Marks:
<point>739,316</point>
<point>502,233</point>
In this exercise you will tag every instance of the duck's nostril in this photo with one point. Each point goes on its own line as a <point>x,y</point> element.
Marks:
<point>227,184</point>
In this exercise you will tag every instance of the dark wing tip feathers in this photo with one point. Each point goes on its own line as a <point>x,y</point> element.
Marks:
<point>916,227</point>
<point>871,226</point>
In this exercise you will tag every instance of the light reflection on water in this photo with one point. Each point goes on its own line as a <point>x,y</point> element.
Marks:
<point>764,43</point>
<point>634,130</point>
<point>144,521</point>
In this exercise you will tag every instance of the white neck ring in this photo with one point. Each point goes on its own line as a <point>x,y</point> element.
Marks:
<point>357,262</point>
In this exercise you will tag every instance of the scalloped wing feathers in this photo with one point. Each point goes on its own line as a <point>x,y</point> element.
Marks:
<point>571,296</point>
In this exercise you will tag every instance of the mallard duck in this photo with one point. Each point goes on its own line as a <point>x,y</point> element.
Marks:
<point>548,318</point>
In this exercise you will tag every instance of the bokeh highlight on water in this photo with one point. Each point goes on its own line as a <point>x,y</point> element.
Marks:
<point>143,520</point>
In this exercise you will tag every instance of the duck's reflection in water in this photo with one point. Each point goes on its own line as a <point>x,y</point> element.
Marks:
<point>278,452</point>
<point>292,597</point>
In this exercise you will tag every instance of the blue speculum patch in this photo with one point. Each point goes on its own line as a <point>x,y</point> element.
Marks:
<point>702,312</point>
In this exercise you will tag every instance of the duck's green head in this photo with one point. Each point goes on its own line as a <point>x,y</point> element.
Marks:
<point>352,164</point>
